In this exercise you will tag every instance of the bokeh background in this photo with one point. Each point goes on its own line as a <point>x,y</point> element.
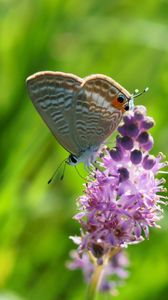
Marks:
<point>127,40</point>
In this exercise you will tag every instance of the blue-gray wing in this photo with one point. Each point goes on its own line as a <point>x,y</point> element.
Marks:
<point>95,118</point>
<point>53,95</point>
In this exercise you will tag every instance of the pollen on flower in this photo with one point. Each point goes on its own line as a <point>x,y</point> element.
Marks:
<point>122,199</point>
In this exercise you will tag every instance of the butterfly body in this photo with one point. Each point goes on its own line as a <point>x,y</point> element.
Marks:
<point>81,113</point>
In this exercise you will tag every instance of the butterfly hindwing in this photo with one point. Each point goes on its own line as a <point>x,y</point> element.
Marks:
<point>95,116</point>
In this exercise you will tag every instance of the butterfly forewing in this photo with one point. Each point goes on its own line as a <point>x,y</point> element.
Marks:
<point>53,95</point>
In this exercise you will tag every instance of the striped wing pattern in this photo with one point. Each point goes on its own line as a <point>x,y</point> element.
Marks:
<point>53,94</point>
<point>78,111</point>
<point>95,117</point>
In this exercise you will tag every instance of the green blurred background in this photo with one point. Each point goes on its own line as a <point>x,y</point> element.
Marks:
<point>127,40</point>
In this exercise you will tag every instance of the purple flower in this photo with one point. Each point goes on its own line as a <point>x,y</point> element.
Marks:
<point>122,196</point>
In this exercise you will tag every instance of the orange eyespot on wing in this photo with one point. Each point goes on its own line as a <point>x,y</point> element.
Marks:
<point>121,103</point>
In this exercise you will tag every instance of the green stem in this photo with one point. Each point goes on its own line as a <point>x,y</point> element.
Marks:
<point>95,282</point>
<point>98,274</point>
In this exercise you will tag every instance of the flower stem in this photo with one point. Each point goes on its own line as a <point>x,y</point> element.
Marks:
<point>94,283</point>
<point>98,274</point>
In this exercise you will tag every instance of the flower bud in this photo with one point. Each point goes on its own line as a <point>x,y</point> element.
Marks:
<point>148,162</point>
<point>116,154</point>
<point>127,142</point>
<point>143,137</point>
<point>132,130</point>
<point>136,157</point>
<point>139,113</point>
<point>140,109</point>
<point>149,145</point>
<point>147,123</point>
<point>128,117</point>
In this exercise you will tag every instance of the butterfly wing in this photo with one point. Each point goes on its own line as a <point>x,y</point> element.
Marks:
<point>95,116</point>
<point>53,94</point>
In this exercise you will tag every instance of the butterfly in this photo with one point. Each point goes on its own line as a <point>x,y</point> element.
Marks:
<point>81,113</point>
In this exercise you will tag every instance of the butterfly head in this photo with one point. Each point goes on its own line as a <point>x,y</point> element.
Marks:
<point>87,156</point>
<point>72,160</point>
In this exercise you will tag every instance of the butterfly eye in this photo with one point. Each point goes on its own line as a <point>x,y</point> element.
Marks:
<point>121,98</point>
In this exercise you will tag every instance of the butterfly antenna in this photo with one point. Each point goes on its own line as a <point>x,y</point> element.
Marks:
<point>79,173</point>
<point>137,93</point>
<point>56,171</point>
